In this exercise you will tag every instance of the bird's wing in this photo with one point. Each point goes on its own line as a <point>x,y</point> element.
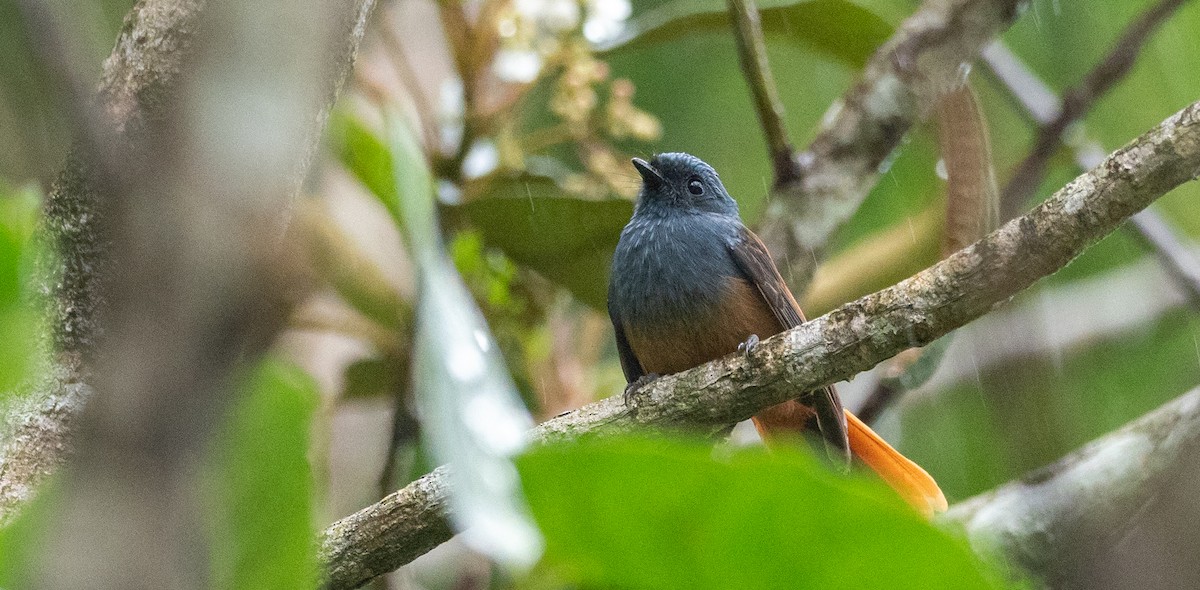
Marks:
<point>629,362</point>
<point>756,266</point>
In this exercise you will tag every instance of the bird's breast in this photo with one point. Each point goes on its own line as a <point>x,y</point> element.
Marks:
<point>680,297</point>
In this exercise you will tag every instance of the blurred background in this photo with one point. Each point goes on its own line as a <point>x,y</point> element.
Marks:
<point>527,113</point>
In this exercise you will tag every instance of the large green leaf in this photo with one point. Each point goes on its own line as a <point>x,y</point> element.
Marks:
<point>262,487</point>
<point>841,29</point>
<point>659,514</point>
<point>569,241</point>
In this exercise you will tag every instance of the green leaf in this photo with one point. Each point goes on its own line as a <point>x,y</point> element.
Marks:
<point>366,157</point>
<point>569,241</point>
<point>660,514</point>
<point>261,498</point>
<point>840,29</point>
<point>23,538</point>
<point>18,318</point>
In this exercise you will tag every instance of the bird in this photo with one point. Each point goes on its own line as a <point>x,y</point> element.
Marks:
<point>690,283</point>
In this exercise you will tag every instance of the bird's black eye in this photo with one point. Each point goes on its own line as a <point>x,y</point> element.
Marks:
<point>695,186</point>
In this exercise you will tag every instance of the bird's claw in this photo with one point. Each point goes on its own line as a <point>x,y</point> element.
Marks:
<point>748,346</point>
<point>632,390</point>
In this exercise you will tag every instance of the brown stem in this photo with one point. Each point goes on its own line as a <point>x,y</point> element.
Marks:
<point>752,55</point>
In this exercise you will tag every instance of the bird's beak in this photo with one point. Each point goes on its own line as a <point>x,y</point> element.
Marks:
<point>650,176</point>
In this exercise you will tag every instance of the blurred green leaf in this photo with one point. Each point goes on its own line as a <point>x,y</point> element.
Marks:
<point>367,158</point>
<point>262,490</point>
<point>569,241</point>
<point>18,315</point>
<point>1026,412</point>
<point>659,514</point>
<point>372,377</point>
<point>471,413</point>
<point>22,540</point>
<point>840,29</point>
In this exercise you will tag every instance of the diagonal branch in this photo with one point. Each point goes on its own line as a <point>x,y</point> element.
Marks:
<point>838,345</point>
<point>752,54</point>
<point>1052,522</point>
<point>924,59</point>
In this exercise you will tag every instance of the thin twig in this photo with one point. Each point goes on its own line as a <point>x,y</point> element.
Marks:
<point>752,55</point>
<point>883,396</point>
<point>1177,259</point>
<point>460,36</point>
<point>1077,101</point>
<point>838,345</point>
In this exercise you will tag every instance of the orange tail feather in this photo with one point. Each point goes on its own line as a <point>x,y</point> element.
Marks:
<point>907,478</point>
<point>912,482</point>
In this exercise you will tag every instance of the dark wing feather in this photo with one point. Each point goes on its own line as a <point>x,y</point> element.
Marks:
<point>629,362</point>
<point>756,266</point>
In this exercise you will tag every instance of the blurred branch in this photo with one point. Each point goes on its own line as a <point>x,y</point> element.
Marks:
<point>972,202</point>
<point>355,277</point>
<point>884,258</point>
<point>838,345</point>
<point>136,96</point>
<point>199,282</point>
<point>1051,521</point>
<point>1077,101</point>
<point>752,55</point>
<point>972,210</point>
<point>925,58</point>
<point>1180,262</point>
<point>427,113</point>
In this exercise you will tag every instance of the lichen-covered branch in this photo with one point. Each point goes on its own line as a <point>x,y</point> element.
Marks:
<point>1050,521</point>
<point>850,339</point>
<point>924,59</point>
<point>36,436</point>
<point>1041,104</point>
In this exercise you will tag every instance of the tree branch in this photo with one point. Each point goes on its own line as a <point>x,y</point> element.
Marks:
<point>1053,520</point>
<point>924,59</point>
<point>198,283</point>
<point>838,345</point>
<point>752,55</point>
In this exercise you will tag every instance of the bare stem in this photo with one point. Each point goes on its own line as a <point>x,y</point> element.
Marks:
<point>752,54</point>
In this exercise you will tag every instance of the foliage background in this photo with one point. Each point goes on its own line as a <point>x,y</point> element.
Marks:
<point>530,227</point>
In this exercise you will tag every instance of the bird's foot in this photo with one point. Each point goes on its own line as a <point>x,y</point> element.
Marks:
<point>633,389</point>
<point>748,346</point>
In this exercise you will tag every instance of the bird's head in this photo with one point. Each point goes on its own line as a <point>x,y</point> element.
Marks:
<point>681,181</point>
